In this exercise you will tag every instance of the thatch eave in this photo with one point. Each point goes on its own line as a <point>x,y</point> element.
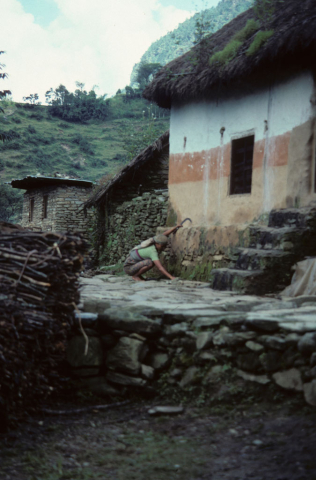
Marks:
<point>149,153</point>
<point>291,49</point>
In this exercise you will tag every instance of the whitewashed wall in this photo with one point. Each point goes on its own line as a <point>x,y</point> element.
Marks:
<point>269,115</point>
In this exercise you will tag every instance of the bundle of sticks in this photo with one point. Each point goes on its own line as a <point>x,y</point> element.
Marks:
<point>39,275</point>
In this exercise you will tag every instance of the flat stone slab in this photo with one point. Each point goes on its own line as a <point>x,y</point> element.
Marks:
<point>165,410</point>
<point>186,301</point>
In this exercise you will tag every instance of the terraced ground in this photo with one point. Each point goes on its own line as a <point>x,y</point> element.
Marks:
<point>92,150</point>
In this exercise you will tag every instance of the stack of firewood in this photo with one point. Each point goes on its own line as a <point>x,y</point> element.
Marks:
<point>38,295</point>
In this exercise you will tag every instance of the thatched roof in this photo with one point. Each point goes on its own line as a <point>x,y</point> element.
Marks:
<point>291,48</point>
<point>149,154</point>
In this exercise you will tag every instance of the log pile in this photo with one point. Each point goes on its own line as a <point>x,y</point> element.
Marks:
<point>38,293</point>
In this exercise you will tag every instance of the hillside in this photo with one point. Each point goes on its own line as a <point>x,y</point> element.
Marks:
<point>180,40</point>
<point>93,150</point>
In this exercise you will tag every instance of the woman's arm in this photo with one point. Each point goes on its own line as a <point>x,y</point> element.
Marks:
<point>171,230</point>
<point>163,270</point>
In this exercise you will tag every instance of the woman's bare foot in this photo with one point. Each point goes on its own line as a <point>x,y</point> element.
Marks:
<point>138,279</point>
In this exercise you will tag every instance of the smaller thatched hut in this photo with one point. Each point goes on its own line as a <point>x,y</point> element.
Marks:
<point>54,204</point>
<point>134,203</point>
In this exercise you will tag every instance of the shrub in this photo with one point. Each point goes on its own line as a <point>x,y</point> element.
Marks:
<point>64,125</point>
<point>37,116</point>
<point>16,120</point>
<point>83,143</point>
<point>227,54</point>
<point>31,129</point>
<point>259,40</point>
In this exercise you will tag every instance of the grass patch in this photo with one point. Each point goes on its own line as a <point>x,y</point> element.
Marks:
<point>228,53</point>
<point>259,40</point>
<point>246,32</point>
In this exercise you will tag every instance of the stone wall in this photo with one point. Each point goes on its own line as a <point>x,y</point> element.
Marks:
<point>195,251</point>
<point>131,222</point>
<point>266,343</point>
<point>63,205</point>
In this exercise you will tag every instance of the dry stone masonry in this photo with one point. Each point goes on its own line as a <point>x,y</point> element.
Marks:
<point>63,209</point>
<point>133,221</point>
<point>146,335</point>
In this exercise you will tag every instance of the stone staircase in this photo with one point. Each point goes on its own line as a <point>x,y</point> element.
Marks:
<point>266,266</point>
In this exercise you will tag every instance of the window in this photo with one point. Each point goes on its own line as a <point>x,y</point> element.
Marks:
<point>241,165</point>
<point>45,204</point>
<point>31,212</point>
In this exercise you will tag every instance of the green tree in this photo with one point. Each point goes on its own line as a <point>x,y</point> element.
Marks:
<point>10,204</point>
<point>32,99</point>
<point>145,72</point>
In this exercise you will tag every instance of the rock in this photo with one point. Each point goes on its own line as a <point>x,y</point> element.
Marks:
<point>128,322</point>
<point>300,324</point>
<point>176,330</point>
<point>206,357</point>
<point>231,339</point>
<point>207,322</point>
<point>125,356</point>
<point>204,340</point>
<point>176,373</point>
<point>165,410</point>
<point>88,320</point>
<point>100,387</point>
<point>190,377</point>
<point>270,361</point>
<point>248,361</point>
<point>291,339</point>
<point>108,341</point>
<point>310,393</point>
<point>147,372</point>
<point>312,360</point>
<point>137,337</point>
<point>307,343</point>
<point>289,379</point>
<point>263,379</point>
<point>159,360</point>
<point>214,374</point>
<point>255,347</point>
<point>76,349</point>
<point>273,342</point>
<point>121,379</point>
<point>262,321</point>
<point>92,305</point>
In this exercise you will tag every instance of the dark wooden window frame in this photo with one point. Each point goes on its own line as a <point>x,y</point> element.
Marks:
<point>241,165</point>
<point>31,212</point>
<point>45,206</point>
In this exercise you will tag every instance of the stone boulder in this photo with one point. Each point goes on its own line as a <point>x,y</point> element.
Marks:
<point>128,322</point>
<point>125,356</point>
<point>289,379</point>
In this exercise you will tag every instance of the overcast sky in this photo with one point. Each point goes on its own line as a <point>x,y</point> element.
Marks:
<point>49,42</point>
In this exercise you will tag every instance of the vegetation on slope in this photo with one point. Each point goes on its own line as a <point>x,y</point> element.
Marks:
<point>182,39</point>
<point>46,144</point>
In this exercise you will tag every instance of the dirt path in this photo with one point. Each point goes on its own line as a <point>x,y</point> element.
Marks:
<point>263,442</point>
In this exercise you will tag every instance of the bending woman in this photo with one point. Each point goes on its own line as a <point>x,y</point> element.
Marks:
<point>143,257</point>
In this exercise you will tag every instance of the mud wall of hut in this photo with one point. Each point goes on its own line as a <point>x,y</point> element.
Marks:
<point>56,209</point>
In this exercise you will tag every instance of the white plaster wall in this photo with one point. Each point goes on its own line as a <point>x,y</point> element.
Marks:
<point>285,106</point>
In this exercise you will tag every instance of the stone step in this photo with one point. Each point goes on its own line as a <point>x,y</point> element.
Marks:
<point>270,238</point>
<point>254,259</point>
<point>293,217</point>
<point>242,281</point>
